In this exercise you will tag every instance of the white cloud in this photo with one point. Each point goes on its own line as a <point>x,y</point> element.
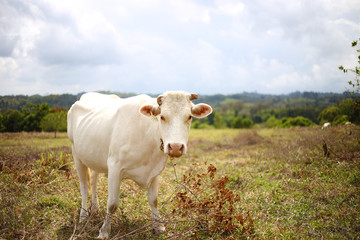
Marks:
<point>152,46</point>
<point>229,7</point>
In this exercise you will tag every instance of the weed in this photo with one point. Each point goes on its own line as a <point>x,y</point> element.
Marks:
<point>208,208</point>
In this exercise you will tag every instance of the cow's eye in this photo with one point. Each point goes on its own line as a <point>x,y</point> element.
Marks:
<point>162,117</point>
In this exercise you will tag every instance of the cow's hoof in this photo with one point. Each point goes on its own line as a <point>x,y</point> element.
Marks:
<point>104,231</point>
<point>83,216</point>
<point>103,236</point>
<point>159,229</point>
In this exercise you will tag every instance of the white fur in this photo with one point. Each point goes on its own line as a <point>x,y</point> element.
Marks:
<point>112,135</point>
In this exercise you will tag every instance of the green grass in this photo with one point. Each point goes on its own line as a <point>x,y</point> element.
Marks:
<point>290,189</point>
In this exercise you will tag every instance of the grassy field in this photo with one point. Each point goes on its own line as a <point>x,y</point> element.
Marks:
<point>299,183</point>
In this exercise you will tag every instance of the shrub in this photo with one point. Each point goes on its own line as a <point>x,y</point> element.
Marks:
<point>209,208</point>
<point>197,125</point>
<point>340,120</point>
<point>297,121</point>
<point>240,122</point>
<point>328,114</point>
<point>273,122</point>
<point>288,122</point>
<point>219,121</point>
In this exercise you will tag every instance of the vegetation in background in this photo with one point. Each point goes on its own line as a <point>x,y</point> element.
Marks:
<point>34,118</point>
<point>246,110</point>
<point>55,121</point>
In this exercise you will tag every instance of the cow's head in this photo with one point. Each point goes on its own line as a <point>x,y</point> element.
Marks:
<point>174,112</point>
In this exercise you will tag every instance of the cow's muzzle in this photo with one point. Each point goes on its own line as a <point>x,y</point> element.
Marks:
<point>176,149</point>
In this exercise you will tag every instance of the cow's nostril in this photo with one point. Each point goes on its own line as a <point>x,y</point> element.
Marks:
<point>176,149</point>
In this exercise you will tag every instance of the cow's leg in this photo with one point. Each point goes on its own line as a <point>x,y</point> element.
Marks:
<point>114,178</point>
<point>158,227</point>
<point>82,171</point>
<point>94,199</point>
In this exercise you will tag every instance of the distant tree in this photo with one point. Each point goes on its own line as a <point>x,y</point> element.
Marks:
<point>34,113</point>
<point>12,121</point>
<point>54,122</point>
<point>247,123</point>
<point>2,126</point>
<point>329,114</point>
<point>219,121</point>
<point>195,124</point>
<point>340,120</point>
<point>240,122</point>
<point>237,122</point>
<point>233,106</point>
<point>273,122</point>
<point>296,121</point>
<point>198,125</point>
<point>287,122</point>
<point>346,107</point>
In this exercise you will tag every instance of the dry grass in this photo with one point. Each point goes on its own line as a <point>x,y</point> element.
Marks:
<point>290,185</point>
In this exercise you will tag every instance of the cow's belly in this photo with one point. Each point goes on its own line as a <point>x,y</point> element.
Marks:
<point>92,157</point>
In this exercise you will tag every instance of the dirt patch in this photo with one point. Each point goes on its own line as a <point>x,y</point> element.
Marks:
<point>17,157</point>
<point>248,138</point>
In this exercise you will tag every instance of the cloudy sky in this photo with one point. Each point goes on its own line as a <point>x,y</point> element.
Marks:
<point>201,46</point>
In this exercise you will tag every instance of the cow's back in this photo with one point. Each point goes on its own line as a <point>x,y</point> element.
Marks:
<point>88,102</point>
<point>93,121</point>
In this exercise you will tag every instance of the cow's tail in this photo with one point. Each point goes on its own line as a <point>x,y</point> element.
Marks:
<point>89,179</point>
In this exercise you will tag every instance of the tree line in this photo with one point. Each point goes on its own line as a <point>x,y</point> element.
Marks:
<point>246,110</point>
<point>34,118</point>
<point>282,111</point>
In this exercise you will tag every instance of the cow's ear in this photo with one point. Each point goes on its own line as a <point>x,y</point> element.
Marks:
<point>150,110</point>
<point>201,110</point>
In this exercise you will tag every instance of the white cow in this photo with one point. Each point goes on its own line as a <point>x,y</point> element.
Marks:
<point>128,138</point>
<point>326,125</point>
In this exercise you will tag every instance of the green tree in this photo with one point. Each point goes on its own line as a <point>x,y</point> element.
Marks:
<point>2,126</point>
<point>296,121</point>
<point>54,122</point>
<point>34,113</point>
<point>346,107</point>
<point>329,114</point>
<point>12,121</point>
<point>219,121</point>
<point>340,120</point>
<point>240,122</point>
<point>273,122</point>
